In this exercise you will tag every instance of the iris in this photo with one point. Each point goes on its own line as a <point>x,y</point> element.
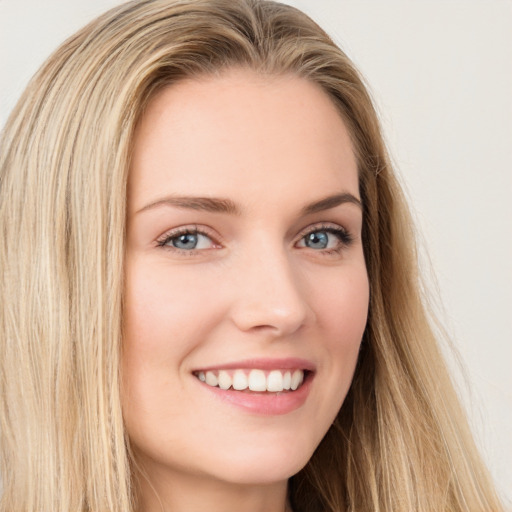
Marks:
<point>317,240</point>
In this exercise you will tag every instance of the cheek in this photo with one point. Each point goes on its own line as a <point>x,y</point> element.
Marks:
<point>341,314</point>
<point>341,305</point>
<point>162,318</point>
<point>162,325</point>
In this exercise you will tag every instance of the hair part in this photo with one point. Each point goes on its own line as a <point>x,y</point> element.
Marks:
<point>400,441</point>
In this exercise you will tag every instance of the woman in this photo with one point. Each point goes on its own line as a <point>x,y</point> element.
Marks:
<point>209,288</point>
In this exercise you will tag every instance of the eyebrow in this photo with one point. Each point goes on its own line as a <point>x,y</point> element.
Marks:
<point>206,204</point>
<point>219,205</point>
<point>331,202</point>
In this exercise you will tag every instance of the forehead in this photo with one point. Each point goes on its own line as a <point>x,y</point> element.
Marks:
<point>224,135</point>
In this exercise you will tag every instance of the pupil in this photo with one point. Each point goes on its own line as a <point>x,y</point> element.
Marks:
<point>318,240</point>
<point>187,241</point>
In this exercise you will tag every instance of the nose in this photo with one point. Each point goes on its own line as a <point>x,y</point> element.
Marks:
<point>269,295</point>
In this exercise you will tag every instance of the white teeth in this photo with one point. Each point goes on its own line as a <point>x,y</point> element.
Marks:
<point>256,380</point>
<point>211,379</point>
<point>297,378</point>
<point>287,380</point>
<point>224,380</point>
<point>240,381</point>
<point>275,381</point>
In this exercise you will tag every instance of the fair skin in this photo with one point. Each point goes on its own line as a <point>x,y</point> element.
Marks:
<point>244,257</point>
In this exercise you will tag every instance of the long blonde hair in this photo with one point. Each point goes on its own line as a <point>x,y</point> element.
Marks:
<point>400,441</point>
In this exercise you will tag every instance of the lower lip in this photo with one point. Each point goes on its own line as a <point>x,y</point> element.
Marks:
<point>266,404</point>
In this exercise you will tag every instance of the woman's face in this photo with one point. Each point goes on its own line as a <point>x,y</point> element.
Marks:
<point>244,267</point>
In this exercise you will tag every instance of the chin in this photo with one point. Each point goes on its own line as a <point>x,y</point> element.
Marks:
<point>263,467</point>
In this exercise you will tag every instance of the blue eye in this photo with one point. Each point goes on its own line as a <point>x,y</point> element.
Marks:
<point>326,238</point>
<point>189,240</point>
<point>317,240</point>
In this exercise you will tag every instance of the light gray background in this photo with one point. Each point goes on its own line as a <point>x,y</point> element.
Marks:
<point>441,74</point>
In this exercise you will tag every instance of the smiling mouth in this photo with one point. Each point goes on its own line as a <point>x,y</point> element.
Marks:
<point>256,380</point>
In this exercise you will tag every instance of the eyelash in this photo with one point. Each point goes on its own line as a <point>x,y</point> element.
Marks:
<point>187,230</point>
<point>345,238</point>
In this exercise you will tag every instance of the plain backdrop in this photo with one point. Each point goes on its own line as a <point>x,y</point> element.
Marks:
<point>440,72</point>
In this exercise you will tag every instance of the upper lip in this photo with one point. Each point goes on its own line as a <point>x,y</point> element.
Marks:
<point>288,363</point>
